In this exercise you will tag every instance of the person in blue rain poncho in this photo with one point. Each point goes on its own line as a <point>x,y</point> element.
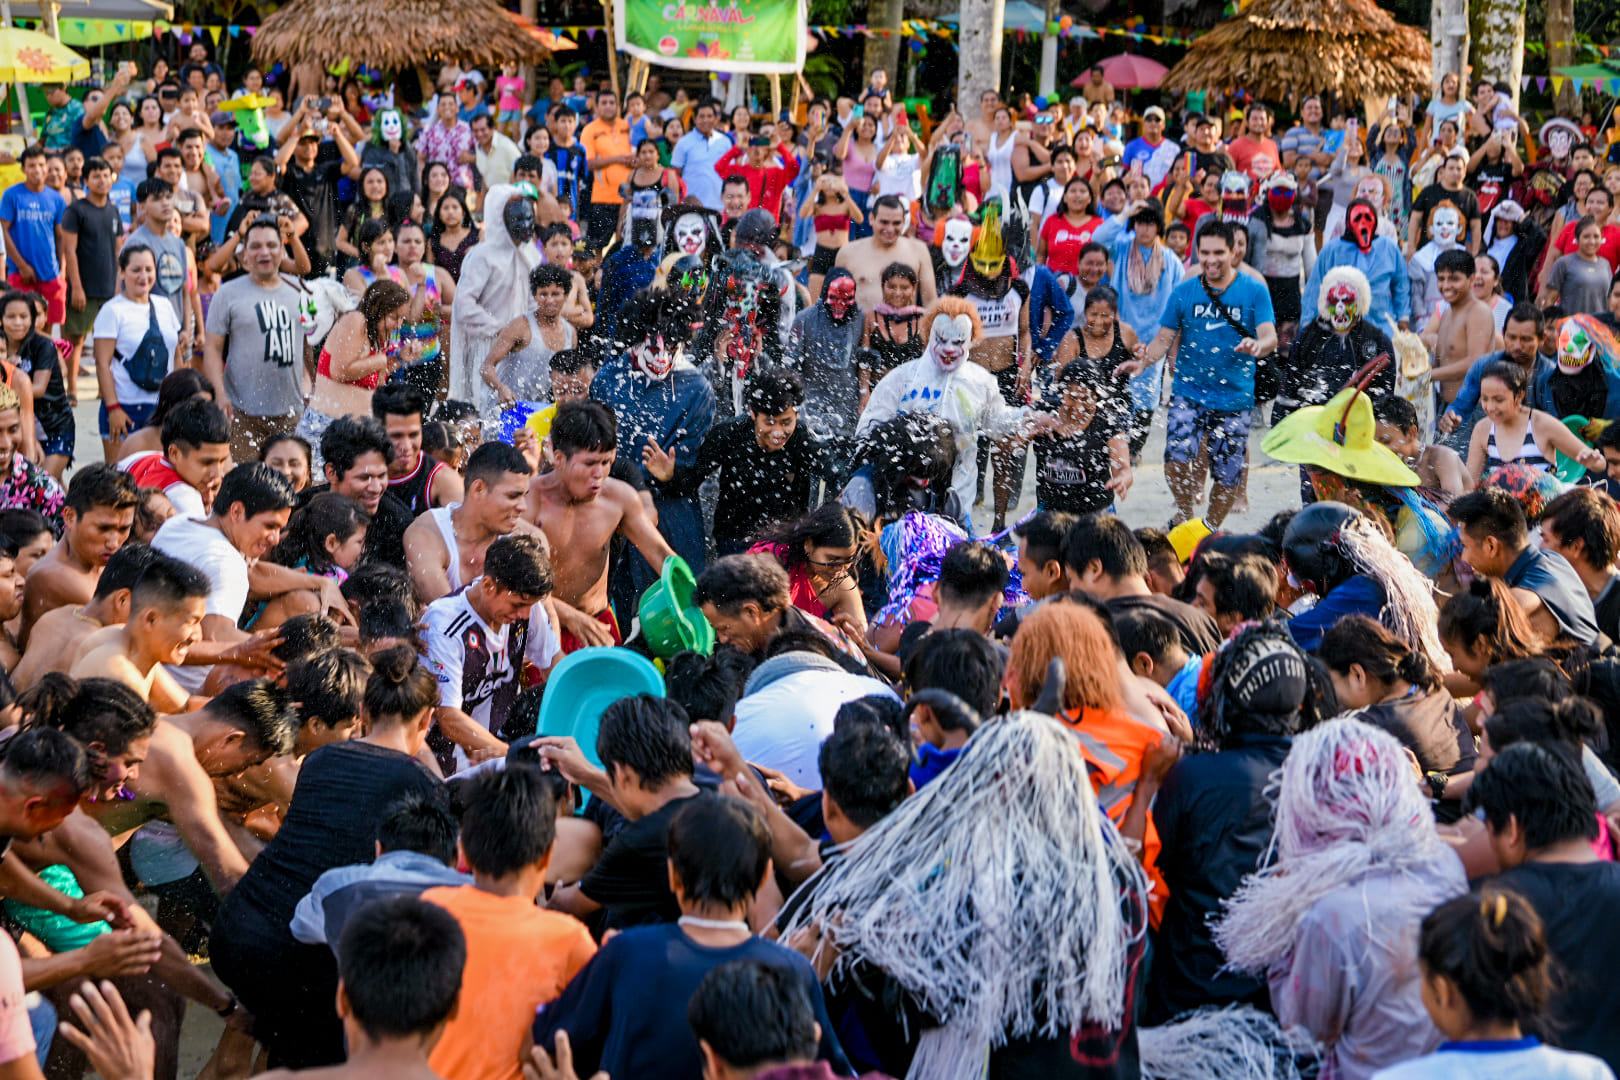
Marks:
<point>658,396</point>
<point>1378,259</point>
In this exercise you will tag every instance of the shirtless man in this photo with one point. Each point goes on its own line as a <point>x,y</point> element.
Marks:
<point>1465,332</point>
<point>444,548</point>
<point>415,479</point>
<point>868,258</point>
<point>166,610</point>
<point>11,597</point>
<point>96,520</point>
<point>246,725</point>
<point>54,643</point>
<point>580,508</point>
<point>981,126</point>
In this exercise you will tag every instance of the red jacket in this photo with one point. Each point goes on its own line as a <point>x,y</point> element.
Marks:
<point>765,185</point>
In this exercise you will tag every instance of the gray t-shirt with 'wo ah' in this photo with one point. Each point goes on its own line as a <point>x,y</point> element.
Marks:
<point>264,346</point>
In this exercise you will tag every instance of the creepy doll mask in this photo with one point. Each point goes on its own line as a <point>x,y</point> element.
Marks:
<point>948,341</point>
<point>957,242</point>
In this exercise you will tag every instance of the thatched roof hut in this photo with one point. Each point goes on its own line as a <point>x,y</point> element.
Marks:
<point>395,35</point>
<point>1278,49</point>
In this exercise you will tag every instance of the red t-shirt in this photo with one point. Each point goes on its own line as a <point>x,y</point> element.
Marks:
<point>1257,157</point>
<point>1609,250</point>
<point>1064,241</point>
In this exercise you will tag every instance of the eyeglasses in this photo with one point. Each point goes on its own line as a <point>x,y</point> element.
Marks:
<point>834,564</point>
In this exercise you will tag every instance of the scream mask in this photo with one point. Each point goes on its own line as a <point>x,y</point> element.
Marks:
<point>518,216</point>
<point>1575,347</point>
<point>1444,225</point>
<point>1234,196</point>
<point>1361,225</point>
<point>948,341</point>
<point>691,234</point>
<point>957,241</point>
<point>654,358</point>
<point>841,297</point>
<point>1344,307</point>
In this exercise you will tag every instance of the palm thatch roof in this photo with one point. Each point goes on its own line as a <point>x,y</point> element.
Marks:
<point>395,35</point>
<point>1277,49</point>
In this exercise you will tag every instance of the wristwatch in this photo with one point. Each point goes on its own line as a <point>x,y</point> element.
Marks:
<point>1437,783</point>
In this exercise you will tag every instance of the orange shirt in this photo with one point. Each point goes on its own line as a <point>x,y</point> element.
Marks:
<point>519,957</point>
<point>602,138</point>
<point>1113,744</point>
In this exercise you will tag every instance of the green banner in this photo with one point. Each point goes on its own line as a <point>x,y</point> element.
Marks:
<point>756,37</point>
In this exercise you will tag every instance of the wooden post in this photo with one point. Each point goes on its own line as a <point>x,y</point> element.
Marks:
<point>22,91</point>
<point>776,96</point>
<point>51,26</point>
<point>612,49</point>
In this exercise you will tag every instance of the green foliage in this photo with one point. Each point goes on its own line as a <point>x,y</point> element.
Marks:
<point>833,12</point>
<point>824,73</point>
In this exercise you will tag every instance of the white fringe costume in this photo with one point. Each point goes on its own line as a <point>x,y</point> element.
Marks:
<point>994,896</point>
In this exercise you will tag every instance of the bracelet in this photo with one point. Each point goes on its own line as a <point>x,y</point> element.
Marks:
<point>114,406</point>
<point>230,1006</point>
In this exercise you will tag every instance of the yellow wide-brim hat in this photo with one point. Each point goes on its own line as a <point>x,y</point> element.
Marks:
<point>1341,438</point>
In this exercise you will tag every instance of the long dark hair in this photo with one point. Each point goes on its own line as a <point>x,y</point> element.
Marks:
<point>177,387</point>
<point>382,298</point>
<point>327,514</point>
<point>829,525</point>
<point>912,456</point>
<point>1357,639</point>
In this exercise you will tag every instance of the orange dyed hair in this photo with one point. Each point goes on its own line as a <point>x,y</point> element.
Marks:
<point>951,307</point>
<point>1075,635</point>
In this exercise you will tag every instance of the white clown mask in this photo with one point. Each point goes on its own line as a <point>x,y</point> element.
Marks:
<point>957,242</point>
<point>691,234</point>
<point>1343,306</point>
<point>1559,141</point>
<point>948,341</point>
<point>392,126</point>
<point>655,359</point>
<point>1444,225</point>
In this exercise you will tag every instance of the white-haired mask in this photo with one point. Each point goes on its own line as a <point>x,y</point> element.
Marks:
<point>1344,306</point>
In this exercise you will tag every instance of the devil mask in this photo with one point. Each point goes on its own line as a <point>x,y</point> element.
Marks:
<point>957,241</point>
<point>1444,225</point>
<point>1280,192</point>
<point>1344,306</point>
<point>1361,225</point>
<point>948,341</point>
<point>840,295</point>
<point>518,216</point>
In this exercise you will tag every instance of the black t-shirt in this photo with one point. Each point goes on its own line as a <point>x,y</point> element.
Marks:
<point>1072,471</point>
<point>1199,635</point>
<point>1491,182</point>
<point>1607,608</point>
<point>37,354</point>
<point>631,879</point>
<point>1433,728</point>
<point>97,229</point>
<point>1579,904</point>
<point>315,191</point>
<point>1464,200</point>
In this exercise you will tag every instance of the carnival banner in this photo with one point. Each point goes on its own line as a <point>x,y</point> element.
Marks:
<point>756,37</point>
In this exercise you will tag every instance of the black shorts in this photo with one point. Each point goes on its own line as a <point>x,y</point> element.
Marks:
<point>1007,382</point>
<point>822,261</point>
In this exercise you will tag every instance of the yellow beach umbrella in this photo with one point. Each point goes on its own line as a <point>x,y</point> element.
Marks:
<point>29,57</point>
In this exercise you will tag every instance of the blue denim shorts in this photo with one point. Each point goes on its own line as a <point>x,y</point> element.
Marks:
<point>1226,435</point>
<point>139,416</point>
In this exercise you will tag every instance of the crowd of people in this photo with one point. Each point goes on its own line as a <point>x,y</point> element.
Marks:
<point>404,411</point>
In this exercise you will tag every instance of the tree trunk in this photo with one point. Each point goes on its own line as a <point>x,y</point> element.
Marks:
<point>1561,50</point>
<point>1498,52</point>
<point>1049,49</point>
<point>978,55</point>
<point>1448,29</point>
<point>530,10</point>
<point>883,51</point>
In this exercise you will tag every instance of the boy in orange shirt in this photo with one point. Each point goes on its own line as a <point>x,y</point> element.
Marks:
<point>519,956</point>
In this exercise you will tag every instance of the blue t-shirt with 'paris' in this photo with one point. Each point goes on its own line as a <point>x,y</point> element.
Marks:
<point>1209,369</point>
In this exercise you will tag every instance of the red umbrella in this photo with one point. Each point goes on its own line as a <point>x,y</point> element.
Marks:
<point>1128,71</point>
